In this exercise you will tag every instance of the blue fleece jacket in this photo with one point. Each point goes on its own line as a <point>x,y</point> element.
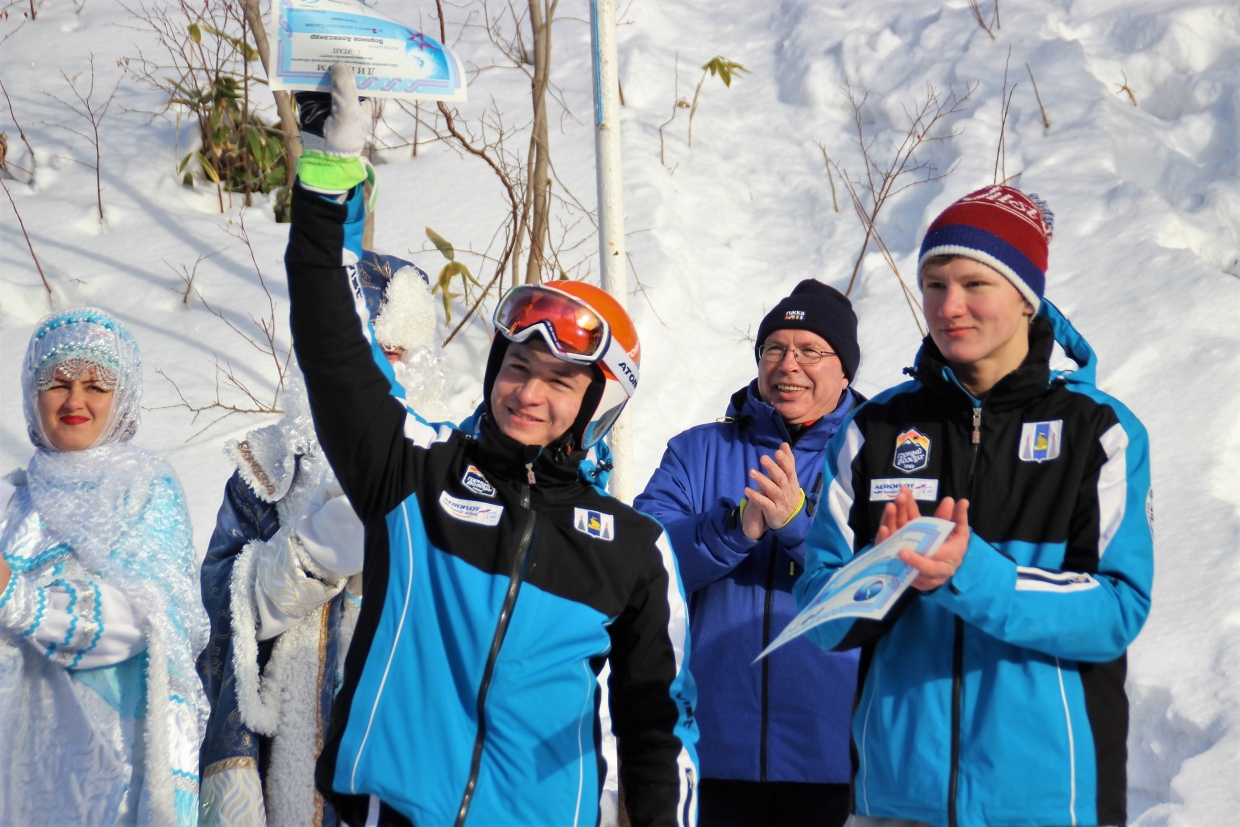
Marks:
<point>785,718</point>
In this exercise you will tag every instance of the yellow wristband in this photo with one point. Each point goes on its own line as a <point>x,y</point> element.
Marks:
<point>797,510</point>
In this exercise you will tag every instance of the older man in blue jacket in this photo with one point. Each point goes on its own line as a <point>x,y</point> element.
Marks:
<point>737,497</point>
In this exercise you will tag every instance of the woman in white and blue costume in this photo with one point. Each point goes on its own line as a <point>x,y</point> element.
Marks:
<point>101,711</point>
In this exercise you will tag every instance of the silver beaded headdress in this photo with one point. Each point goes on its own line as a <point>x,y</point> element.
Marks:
<point>72,343</point>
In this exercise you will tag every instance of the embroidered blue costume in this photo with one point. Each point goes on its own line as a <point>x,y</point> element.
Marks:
<point>101,712</point>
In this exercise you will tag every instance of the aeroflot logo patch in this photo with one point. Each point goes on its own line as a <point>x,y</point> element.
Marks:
<point>471,511</point>
<point>595,523</point>
<point>885,490</point>
<point>1040,441</point>
<point>912,451</point>
<point>474,481</point>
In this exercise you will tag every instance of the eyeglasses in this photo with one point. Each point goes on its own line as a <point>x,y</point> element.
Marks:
<point>776,353</point>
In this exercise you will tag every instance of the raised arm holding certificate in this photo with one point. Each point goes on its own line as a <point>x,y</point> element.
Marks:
<point>388,58</point>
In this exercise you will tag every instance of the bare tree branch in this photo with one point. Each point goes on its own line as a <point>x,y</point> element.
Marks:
<point>93,113</point>
<point>22,224</point>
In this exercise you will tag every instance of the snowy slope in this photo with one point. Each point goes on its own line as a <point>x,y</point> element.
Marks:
<point>1145,261</point>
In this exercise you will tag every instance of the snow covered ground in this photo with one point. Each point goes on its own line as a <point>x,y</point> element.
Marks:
<point>1145,261</point>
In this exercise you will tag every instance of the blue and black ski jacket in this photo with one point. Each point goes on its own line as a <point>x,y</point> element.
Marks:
<point>998,698</point>
<point>497,582</point>
<point>785,718</point>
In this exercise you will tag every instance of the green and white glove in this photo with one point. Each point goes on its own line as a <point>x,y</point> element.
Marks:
<point>331,161</point>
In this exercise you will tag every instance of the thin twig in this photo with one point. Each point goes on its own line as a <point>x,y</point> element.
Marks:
<point>1005,103</point>
<point>20,131</point>
<point>187,275</point>
<point>268,325</point>
<point>641,287</point>
<point>217,405</point>
<point>1123,87</point>
<point>977,15</point>
<point>678,104</point>
<point>93,114</point>
<point>1045,121</point>
<point>881,183</point>
<point>22,224</point>
<point>872,232</point>
<point>826,159</point>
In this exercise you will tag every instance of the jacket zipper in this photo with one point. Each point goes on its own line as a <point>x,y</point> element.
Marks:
<point>958,646</point>
<point>766,662</point>
<point>501,629</point>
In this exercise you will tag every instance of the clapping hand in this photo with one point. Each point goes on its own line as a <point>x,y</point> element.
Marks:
<point>932,571</point>
<point>775,495</point>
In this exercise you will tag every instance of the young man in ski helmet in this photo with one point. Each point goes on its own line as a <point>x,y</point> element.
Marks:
<point>499,576</point>
<point>993,693</point>
<point>738,497</point>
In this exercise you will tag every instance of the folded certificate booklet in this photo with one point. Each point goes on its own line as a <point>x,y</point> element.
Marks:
<point>388,58</point>
<point>870,584</point>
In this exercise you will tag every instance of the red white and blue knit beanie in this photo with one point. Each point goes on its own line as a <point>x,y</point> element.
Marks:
<point>1002,228</point>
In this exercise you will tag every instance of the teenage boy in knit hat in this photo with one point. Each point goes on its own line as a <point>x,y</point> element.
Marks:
<point>737,497</point>
<point>993,694</point>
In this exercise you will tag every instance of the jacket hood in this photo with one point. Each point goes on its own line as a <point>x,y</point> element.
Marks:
<point>746,408</point>
<point>1073,344</point>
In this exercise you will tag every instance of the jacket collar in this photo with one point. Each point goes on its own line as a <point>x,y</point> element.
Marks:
<point>747,409</point>
<point>1028,381</point>
<point>502,455</point>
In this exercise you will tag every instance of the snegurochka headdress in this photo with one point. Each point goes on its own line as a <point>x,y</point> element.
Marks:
<point>72,343</point>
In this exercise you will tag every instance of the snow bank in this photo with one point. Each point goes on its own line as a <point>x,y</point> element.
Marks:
<point>1146,258</point>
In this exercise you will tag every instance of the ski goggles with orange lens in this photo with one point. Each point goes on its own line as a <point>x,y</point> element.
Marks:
<point>571,328</point>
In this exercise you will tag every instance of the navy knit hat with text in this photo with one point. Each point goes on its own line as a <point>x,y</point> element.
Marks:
<point>820,309</point>
<point>1002,228</point>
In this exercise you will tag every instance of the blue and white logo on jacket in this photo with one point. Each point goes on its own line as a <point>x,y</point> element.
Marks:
<point>595,523</point>
<point>474,481</point>
<point>912,451</point>
<point>1040,441</point>
<point>471,511</point>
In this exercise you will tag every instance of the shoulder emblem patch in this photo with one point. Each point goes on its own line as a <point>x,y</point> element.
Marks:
<point>912,451</point>
<point>594,523</point>
<point>471,511</point>
<point>1040,441</point>
<point>474,481</point>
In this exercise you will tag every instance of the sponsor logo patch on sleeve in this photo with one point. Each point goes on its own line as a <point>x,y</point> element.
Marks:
<point>912,451</point>
<point>474,481</point>
<point>1040,441</point>
<point>594,523</point>
<point>885,490</point>
<point>471,511</point>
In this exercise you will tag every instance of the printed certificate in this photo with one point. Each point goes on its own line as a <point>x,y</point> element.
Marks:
<point>869,585</point>
<point>389,59</point>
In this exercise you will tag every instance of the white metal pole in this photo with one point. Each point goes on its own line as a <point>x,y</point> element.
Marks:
<point>611,209</point>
